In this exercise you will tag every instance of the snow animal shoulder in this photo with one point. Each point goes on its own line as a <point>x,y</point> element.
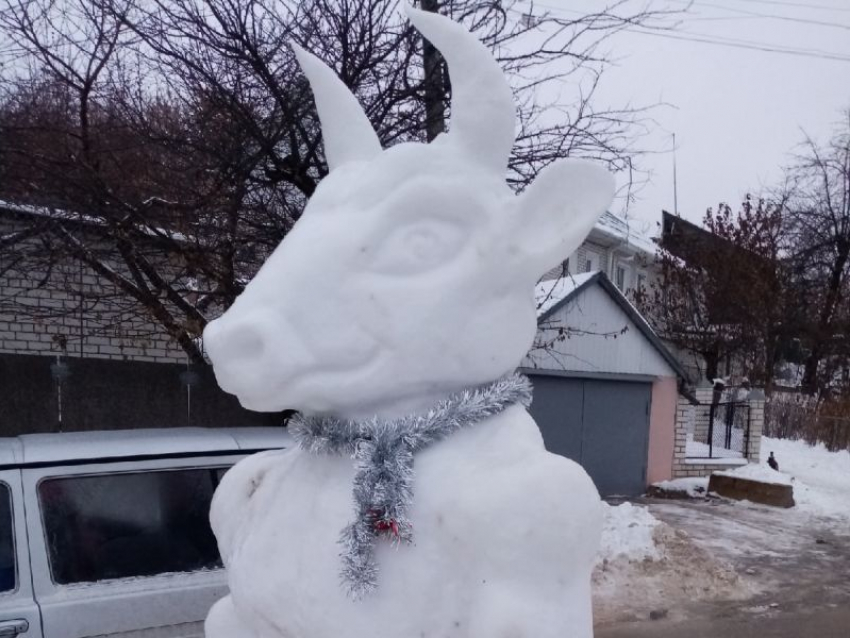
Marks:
<point>409,277</point>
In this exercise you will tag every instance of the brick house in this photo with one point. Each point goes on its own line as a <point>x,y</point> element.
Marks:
<point>76,353</point>
<point>613,247</point>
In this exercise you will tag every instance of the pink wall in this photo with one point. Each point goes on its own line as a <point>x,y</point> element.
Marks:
<point>662,425</point>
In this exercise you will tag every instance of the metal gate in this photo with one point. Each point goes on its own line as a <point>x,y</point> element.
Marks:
<point>601,424</point>
<point>719,430</point>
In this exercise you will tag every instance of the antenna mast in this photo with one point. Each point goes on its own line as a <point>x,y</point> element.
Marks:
<point>675,181</point>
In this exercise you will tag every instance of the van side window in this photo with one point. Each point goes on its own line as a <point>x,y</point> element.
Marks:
<point>7,541</point>
<point>129,525</point>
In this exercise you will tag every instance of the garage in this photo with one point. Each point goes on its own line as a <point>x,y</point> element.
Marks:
<point>605,387</point>
<point>601,424</point>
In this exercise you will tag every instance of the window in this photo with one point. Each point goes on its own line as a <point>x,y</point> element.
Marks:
<point>7,541</point>
<point>621,277</point>
<point>593,260</point>
<point>128,525</point>
<point>641,281</point>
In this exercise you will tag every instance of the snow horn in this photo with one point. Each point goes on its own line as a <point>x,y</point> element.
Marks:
<point>483,112</point>
<point>347,132</point>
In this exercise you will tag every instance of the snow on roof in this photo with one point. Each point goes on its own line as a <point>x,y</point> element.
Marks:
<point>621,229</point>
<point>547,294</point>
<point>70,216</point>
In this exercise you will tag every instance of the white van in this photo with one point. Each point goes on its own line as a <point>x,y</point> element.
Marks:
<point>106,534</point>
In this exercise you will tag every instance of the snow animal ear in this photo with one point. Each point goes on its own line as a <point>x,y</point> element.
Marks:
<point>559,209</point>
<point>483,111</point>
<point>347,132</point>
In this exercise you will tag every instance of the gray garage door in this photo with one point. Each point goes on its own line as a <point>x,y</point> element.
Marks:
<point>604,425</point>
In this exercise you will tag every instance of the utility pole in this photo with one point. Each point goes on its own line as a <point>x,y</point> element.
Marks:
<point>434,83</point>
<point>675,181</point>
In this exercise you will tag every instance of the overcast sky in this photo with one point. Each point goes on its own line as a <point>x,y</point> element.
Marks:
<point>738,114</point>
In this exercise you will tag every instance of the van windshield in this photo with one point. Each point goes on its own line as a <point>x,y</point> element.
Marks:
<point>129,525</point>
<point>7,541</point>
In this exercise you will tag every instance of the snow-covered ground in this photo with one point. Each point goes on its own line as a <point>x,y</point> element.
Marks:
<point>821,478</point>
<point>698,450</point>
<point>676,553</point>
<point>644,565</point>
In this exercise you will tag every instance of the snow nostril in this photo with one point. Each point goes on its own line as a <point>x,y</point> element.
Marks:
<point>233,344</point>
<point>242,343</point>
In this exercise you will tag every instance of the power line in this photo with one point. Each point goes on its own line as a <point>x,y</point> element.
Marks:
<point>705,38</point>
<point>782,3</point>
<point>771,16</point>
<point>698,3</point>
<point>775,3</point>
<point>737,44</point>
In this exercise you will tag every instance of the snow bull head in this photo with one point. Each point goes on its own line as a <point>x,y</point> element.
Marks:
<point>411,272</point>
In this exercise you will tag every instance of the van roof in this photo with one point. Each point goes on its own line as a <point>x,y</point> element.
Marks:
<point>56,449</point>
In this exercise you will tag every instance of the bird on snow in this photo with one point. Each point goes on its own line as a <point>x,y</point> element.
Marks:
<point>772,462</point>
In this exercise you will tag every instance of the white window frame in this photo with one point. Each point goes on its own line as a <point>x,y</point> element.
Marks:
<point>618,268</point>
<point>592,258</point>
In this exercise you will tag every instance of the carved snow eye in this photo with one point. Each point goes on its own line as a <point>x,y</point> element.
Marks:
<point>419,246</point>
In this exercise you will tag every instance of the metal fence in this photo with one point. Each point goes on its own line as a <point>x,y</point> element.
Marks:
<point>719,430</point>
<point>36,395</point>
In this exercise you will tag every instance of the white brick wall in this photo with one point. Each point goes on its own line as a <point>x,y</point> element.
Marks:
<point>685,418</point>
<point>69,310</point>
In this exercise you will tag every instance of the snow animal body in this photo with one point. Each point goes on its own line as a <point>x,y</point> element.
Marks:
<point>409,277</point>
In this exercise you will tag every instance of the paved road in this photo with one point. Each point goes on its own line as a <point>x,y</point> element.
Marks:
<point>825,623</point>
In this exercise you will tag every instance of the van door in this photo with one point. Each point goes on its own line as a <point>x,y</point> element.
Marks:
<point>18,612</point>
<point>125,549</point>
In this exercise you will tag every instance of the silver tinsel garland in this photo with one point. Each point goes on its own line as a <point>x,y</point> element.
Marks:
<point>383,453</point>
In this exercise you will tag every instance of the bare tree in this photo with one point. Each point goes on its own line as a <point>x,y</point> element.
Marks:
<point>819,221</point>
<point>181,134</point>
<point>723,293</point>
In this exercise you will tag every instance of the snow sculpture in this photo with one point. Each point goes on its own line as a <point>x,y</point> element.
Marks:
<point>392,317</point>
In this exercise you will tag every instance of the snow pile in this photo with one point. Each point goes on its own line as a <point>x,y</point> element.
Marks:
<point>821,477</point>
<point>644,564</point>
<point>759,473</point>
<point>408,277</point>
<point>690,487</point>
<point>627,532</point>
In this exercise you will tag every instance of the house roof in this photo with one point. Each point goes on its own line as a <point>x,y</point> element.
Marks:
<point>552,292</point>
<point>552,295</point>
<point>621,232</point>
<point>91,221</point>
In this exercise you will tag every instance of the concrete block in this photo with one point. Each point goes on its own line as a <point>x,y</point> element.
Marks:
<point>744,489</point>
